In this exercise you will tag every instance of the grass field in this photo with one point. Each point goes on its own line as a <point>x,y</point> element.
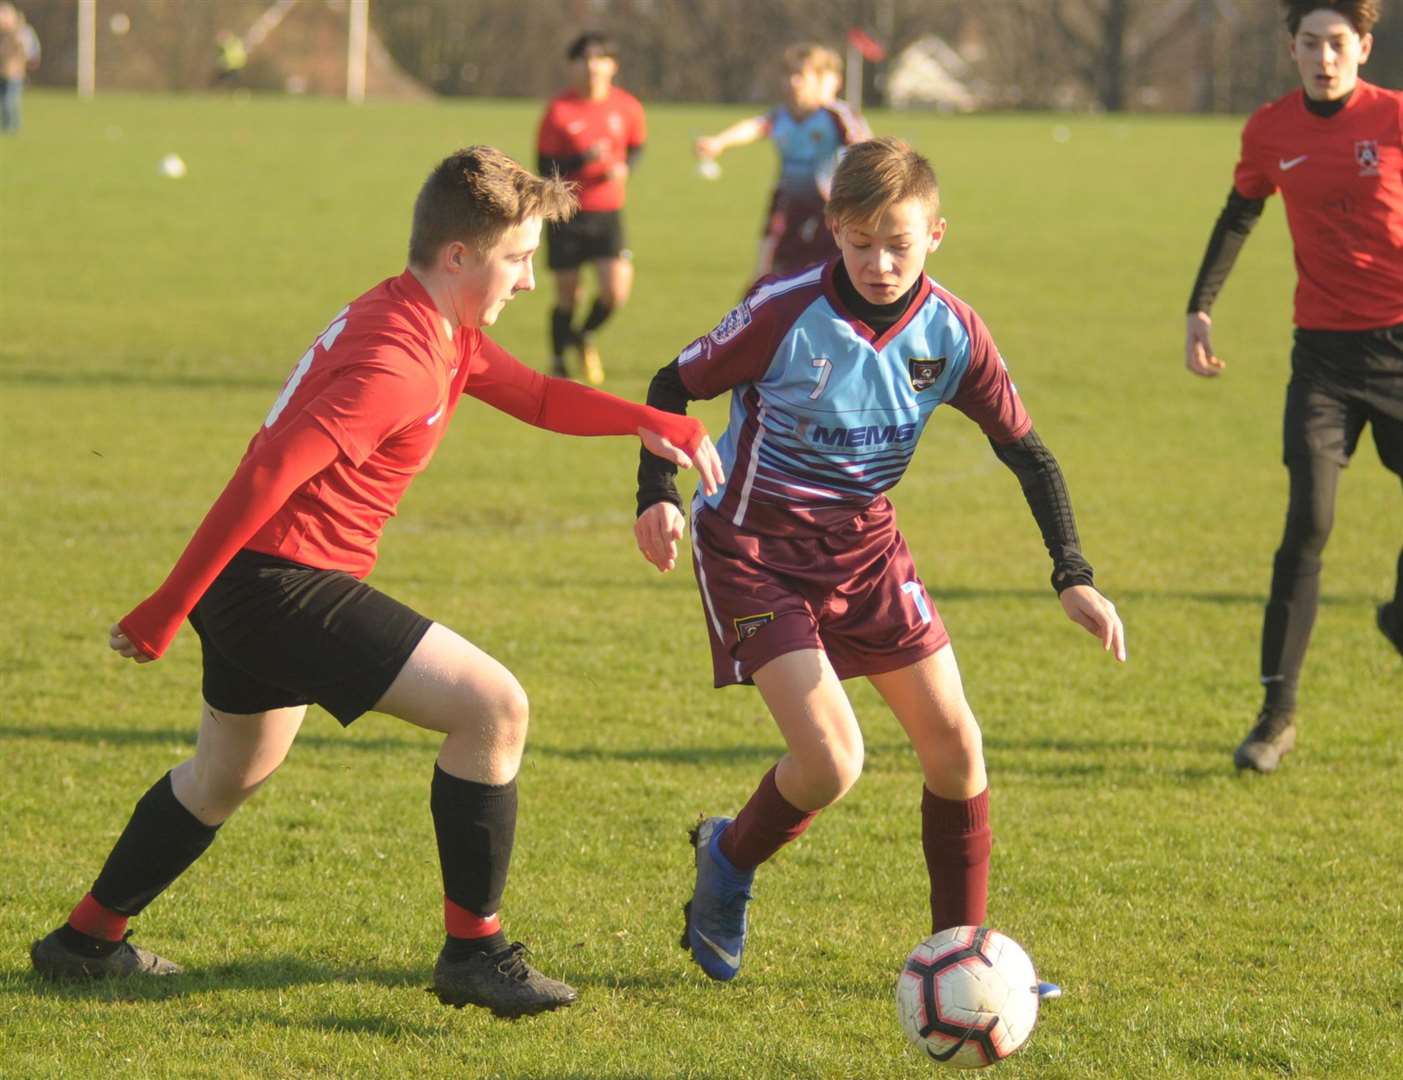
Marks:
<point>1203,924</point>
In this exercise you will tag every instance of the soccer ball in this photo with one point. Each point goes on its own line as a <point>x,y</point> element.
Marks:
<point>968,997</point>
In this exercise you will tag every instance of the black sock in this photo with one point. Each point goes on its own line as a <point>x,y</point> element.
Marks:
<point>460,948</point>
<point>159,843</point>
<point>85,944</point>
<point>598,316</point>
<point>475,825</point>
<point>560,333</point>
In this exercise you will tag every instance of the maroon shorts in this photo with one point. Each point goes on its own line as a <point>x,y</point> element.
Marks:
<point>852,592</point>
<point>798,233</point>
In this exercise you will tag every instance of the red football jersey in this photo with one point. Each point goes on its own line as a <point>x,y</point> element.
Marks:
<point>383,380</point>
<point>574,124</point>
<point>1342,180</point>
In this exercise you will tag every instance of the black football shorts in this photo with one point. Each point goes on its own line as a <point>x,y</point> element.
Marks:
<point>589,235</point>
<point>276,633</point>
<point>1341,382</point>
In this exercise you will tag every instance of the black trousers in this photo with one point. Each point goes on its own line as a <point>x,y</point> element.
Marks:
<point>1340,383</point>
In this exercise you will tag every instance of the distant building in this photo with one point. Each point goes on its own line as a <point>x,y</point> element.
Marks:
<point>930,74</point>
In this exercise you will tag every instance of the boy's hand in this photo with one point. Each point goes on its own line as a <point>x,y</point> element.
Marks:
<point>707,148</point>
<point>1087,607</point>
<point>118,642</point>
<point>657,531</point>
<point>1198,347</point>
<point>704,458</point>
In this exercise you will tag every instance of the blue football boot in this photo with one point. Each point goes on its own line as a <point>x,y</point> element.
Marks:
<point>715,915</point>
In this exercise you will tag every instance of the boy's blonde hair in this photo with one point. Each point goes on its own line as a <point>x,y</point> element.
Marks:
<point>810,54</point>
<point>476,195</point>
<point>876,175</point>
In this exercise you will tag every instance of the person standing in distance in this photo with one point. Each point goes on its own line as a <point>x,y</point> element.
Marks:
<point>810,131</point>
<point>592,134</point>
<point>19,54</point>
<point>272,583</point>
<point>805,578</point>
<point>1334,149</point>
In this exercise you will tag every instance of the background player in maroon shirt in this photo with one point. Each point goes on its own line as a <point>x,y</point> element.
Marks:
<point>271,583</point>
<point>592,134</point>
<point>1334,149</point>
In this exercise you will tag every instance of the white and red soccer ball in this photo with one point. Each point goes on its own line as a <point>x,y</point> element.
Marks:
<point>968,997</point>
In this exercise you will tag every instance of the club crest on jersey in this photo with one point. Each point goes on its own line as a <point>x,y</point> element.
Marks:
<point>924,371</point>
<point>749,625</point>
<point>736,320</point>
<point>1366,152</point>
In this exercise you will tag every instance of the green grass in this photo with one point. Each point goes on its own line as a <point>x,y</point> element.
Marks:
<point>1203,924</point>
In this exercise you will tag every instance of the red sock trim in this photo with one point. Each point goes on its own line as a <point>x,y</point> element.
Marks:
<point>462,923</point>
<point>91,918</point>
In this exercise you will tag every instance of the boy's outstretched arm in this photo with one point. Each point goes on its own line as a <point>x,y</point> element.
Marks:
<point>741,133</point>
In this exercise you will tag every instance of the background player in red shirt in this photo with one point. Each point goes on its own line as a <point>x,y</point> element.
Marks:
<point>271,582</point>
<point>809,131</point>
<point>1334,149</point>
<point>592,134</point>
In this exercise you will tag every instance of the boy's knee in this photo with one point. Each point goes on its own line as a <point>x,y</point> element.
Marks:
<point>833,776</point>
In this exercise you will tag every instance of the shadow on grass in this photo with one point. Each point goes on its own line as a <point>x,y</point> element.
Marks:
<point>1079,760</point>
<point>140,736</point>
<point>110,377</point>
<point>1136,596</point>
<point>145,736</point>
<point>1051,758</point>
<point>269,973</point>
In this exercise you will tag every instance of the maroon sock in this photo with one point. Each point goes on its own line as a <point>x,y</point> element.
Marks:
<point>764,825</point>
<point>956,837</point>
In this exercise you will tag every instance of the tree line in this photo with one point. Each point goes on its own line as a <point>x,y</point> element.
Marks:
<point>1115,55</point>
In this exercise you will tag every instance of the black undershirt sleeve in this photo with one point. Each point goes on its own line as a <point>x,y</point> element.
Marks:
<point>1234,224</point>
<point>632,155</point>
<point>1043,486</point>
<point>657,478</point>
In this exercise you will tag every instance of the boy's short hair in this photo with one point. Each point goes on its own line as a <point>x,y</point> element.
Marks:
<point>1362,14</point>
<point>877,174</point>
<point>477,194</point>
<point>810,54</point>
<point>592,40</point>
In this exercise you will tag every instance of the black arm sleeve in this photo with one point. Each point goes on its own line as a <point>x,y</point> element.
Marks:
<point>1046,491</point>
<point>1234,224</point>
<point>657,478</point>
<point>560,166</point>
<point>632,155</point>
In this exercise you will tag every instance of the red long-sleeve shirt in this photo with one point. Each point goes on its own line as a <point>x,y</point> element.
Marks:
<point>359,417</point>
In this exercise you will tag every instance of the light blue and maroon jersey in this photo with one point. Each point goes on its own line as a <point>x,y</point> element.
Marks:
<point>825,415</point>
<point>809,148</point>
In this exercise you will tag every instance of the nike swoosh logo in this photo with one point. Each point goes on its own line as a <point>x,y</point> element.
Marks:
<point>1287,166</point>
<point>431,421</point>
<point>730,958</point>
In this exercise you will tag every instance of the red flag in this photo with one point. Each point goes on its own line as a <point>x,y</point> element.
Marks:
<point>864,43</point>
